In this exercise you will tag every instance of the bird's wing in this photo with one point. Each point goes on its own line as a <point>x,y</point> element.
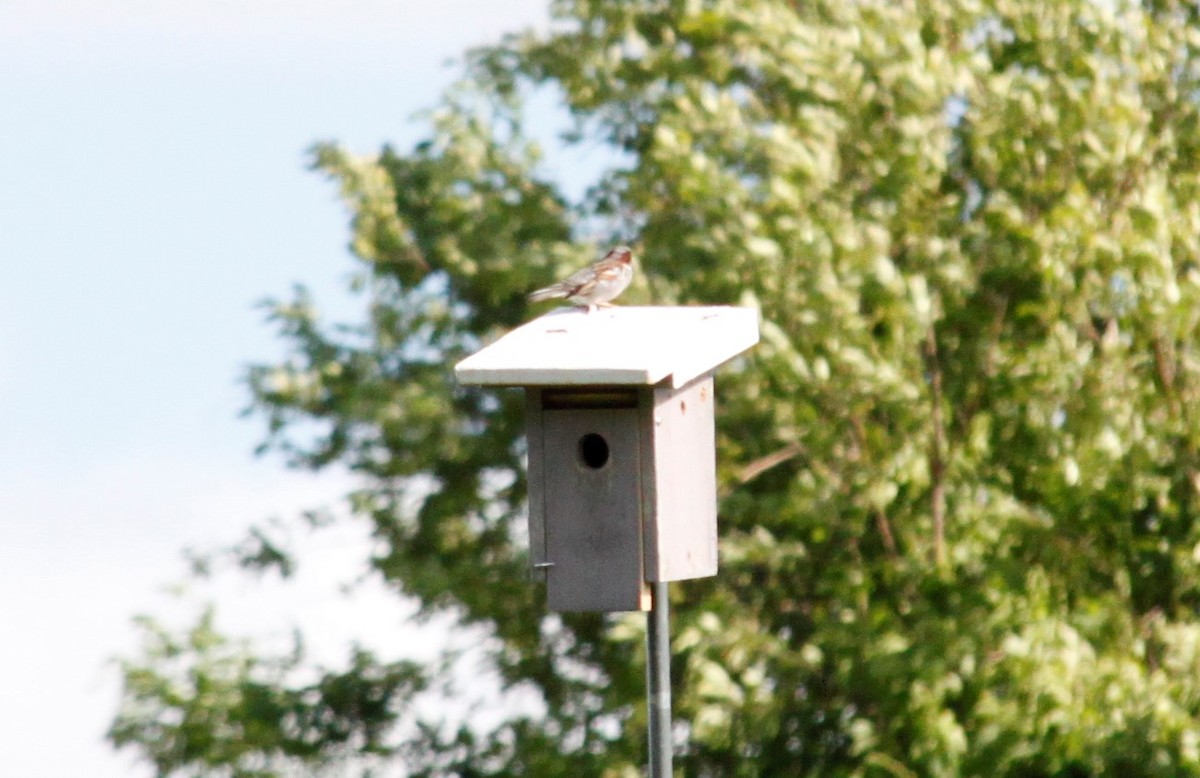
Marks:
<point>578,279</point>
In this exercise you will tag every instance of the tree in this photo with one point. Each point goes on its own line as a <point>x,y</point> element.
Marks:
<point>959,476</point>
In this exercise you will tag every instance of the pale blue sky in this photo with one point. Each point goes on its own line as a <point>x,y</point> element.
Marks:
<point>152,188</point>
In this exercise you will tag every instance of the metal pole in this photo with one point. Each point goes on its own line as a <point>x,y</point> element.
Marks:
<point>658,680</point>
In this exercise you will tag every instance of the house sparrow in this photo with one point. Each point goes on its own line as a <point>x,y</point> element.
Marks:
<point>596,285</point>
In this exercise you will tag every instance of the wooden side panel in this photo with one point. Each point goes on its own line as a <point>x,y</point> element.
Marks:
<point>535,473</point>
<point>649,491</point>
<point>593,515</point>
<point>682,536</point>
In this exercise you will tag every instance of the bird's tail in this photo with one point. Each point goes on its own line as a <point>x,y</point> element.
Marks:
<point>547,293</point>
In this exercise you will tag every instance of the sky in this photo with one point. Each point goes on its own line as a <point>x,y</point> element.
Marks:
<point>153,189</point>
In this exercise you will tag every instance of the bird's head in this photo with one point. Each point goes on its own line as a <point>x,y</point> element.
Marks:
<point>622,254</point>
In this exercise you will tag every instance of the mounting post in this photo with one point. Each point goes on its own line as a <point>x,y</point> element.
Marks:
<point>658,680</point>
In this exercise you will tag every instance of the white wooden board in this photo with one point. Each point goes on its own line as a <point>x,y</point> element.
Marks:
<point>620,345</point>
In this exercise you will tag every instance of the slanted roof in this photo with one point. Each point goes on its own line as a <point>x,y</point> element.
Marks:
<point>619,345</point>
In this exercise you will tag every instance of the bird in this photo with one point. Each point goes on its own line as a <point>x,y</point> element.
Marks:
<point>595,285</point>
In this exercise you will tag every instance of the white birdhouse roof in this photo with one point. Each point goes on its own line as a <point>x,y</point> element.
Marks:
<point>614,346</point>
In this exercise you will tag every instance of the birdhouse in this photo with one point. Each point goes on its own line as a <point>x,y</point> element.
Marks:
<point>622,461</point>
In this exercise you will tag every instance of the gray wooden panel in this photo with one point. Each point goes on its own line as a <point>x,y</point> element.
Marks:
<point>535,473</point>
<point>682,537</point>
<point>593,514</point>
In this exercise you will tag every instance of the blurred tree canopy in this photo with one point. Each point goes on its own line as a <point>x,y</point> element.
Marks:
<point>959,476</point>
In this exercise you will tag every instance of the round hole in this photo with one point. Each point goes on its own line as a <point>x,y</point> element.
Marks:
<point>593,450</point>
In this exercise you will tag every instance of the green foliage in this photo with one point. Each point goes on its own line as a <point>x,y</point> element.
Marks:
<point>232,713</point>
<point>959,476</point>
